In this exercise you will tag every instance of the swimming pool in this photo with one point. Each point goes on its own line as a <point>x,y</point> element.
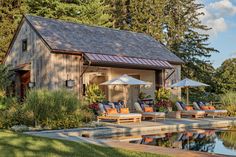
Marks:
<point>218,141</point>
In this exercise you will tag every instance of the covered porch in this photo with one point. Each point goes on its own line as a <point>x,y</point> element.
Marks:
<point>99,68</point>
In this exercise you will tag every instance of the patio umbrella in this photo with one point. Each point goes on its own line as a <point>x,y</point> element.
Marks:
<point>125,80</point>
<point>187,83</point>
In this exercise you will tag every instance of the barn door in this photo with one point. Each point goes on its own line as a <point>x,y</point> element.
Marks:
<point>24,82</point>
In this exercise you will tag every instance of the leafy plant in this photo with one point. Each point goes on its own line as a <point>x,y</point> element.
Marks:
<point>162,94</point>
<point>59,108</point>
<point>163,105</point>
<point>5,79</point>
<point>229,103</point>
<point>94,94</point>
<point>14,114</point>
<point>229,98</point>
<point>143,95</point>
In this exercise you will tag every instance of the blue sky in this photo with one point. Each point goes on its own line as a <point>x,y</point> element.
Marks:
<point>220,15</point>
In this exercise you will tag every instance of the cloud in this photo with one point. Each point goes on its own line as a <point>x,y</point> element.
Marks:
<point>224,6</point>
<point>215,14</point>
<point>233,55</point>
<point>216,23</point>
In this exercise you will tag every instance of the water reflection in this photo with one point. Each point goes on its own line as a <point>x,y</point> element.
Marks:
<point>222,142</point>
<point>228,138</point>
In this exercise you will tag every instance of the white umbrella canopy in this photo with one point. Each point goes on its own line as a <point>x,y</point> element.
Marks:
<point>187,83</point>
<point>125,80</point>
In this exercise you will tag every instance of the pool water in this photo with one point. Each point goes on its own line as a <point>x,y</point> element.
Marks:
<point>212,141</point>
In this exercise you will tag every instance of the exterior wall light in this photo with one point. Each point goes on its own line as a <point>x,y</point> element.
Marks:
<point>31,84</point>
<point>70,83</point>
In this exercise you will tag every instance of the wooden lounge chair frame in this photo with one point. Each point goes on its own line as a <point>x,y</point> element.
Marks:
<point>194,115</point>
<point>189,113</point>
<point>152,116</point>
<point>213,114</point>
<point>135,119</point>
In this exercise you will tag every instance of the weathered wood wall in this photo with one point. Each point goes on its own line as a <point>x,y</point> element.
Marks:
<point>48,70</point>
<point>51,70</point>
<point>65,67</point>
<point>37,55</point>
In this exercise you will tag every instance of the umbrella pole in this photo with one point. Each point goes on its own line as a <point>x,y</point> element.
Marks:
<point>187,95</point>
<point>125,95</point>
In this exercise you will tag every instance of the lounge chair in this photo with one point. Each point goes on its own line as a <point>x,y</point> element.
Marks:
<point>153,115</point>
<point>209,112</point>
<point>118,117</point>
<point>194,113</point>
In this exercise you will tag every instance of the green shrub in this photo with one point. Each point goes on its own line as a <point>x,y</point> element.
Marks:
<point>94,94</point>
<point>229,103</point>
<point>56,109</point>
<point>14,114</point>
<point>5,81</point>
<point>7,101</point>
<point>143,95</point>
<point>162,94</point>
<point>229,98</point>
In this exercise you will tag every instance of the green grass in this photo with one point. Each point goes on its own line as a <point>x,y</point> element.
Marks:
<point>14,144</point>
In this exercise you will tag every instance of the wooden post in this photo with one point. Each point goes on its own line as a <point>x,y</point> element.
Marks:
<point>125,95</point>
<point>187,95</point>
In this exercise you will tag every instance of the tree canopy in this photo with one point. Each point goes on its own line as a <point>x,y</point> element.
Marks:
<point>175,23</point>
<point>225,76</point>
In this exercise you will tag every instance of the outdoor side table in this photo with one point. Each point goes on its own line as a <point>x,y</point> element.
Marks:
<point>174,114</point>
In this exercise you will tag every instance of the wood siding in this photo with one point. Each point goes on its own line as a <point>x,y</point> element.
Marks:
<point>51,70</point>
<point>65,67</point>
<point>47,70</point>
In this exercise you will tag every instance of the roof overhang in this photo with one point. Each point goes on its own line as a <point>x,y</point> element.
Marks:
<point>125,61</point>
<point>22,67</point>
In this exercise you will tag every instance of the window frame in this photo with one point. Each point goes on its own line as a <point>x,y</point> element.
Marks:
<point>24,45</point>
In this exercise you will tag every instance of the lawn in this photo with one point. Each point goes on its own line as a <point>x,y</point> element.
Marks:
<point>13,144</point>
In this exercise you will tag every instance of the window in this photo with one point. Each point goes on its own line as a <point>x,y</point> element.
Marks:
<point>24,45</point>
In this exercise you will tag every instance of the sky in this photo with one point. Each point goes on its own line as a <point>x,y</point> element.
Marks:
<point>220,15</point>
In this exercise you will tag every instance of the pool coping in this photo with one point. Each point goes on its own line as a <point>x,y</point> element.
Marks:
<point>113,129</point>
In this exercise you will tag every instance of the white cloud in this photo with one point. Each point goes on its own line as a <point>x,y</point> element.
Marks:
<point>233,55</point>
<point>224,6</point>
<point>215,14</point>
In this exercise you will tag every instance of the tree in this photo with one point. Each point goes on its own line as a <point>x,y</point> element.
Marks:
<point>10,14</point>
<point>89,12</point>
<point>226,76</point>
<point>173,22</point>
<point>5,79</point>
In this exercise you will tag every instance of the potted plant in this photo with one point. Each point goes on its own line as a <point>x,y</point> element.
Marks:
<point>163,102</point>
<point>93,96</point>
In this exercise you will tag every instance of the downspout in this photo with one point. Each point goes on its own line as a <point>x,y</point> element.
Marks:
<point>85,69</point>
<point>82,73</point>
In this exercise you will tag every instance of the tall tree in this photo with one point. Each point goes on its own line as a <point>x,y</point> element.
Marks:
<point>119,9</point>
<point>11,12</point>
<point>176,24</point>
<point>226,76</point>
<point>87,11</point>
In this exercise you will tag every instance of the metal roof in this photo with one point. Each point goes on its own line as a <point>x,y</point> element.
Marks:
<point>68,37</point>
<point>102,59</point>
